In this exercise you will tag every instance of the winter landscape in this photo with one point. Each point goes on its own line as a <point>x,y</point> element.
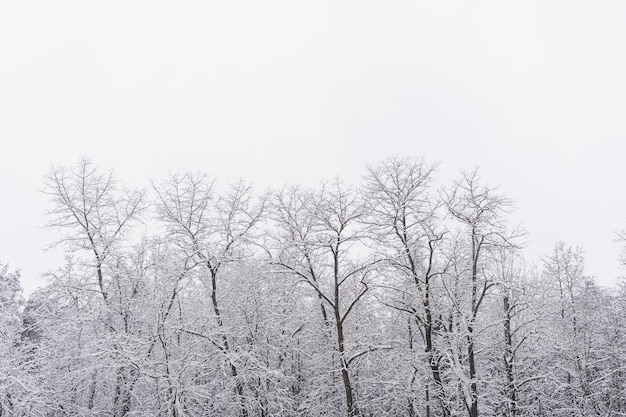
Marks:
<point>398,296</point>
<point>297,208</point>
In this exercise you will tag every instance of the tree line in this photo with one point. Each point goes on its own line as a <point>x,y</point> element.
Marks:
<point>399,296</point>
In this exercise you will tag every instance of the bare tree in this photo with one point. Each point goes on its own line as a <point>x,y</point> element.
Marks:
<point>96,214</point>
<point>215,229</point>
<point>94,210</point>
<point>479,211</point>
<point>320,232</point>
<point>577,300</point>
<point>12,382</point>
<point>404,220</point>
<point>517,309</point>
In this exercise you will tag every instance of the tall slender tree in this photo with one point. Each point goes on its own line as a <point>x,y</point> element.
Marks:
<point>479,211</point>
<point>407,224</point>
<point>318,247</point>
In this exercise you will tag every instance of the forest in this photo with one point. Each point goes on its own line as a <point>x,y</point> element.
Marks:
<point>397,296</point>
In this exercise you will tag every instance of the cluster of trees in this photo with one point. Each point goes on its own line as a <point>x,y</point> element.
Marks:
<point>396,297</point>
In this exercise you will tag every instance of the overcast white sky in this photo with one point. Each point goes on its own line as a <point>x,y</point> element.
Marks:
<point>534,92</point>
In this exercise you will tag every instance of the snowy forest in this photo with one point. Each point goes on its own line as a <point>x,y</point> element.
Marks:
<point>397,296</point>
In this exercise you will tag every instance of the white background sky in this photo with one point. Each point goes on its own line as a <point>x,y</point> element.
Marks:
<point>534,92</point>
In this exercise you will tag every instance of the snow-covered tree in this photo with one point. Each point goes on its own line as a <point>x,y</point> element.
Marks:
<point>12,367</point>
